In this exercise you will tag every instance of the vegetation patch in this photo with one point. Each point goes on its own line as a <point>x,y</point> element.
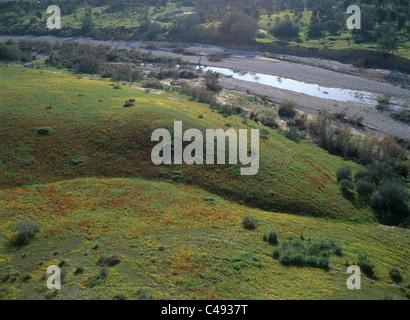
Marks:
<point>299,253</point>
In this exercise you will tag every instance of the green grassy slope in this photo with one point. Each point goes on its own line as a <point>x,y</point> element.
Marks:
<point>177,231</point>
<point>177,242</point>
<point>92,134</point>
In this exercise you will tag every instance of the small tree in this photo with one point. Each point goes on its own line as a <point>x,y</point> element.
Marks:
<point>271,238</point>
<point>364,189</point>
<point>366,266</point>
<point>388,42</point>
<point>396,275</point>
<point>250,223</point>
<point>344,173</point>
<point>390,203</point>
<point>27,230</point>
<point>287,109</point>
<point>286,29</point>
<point>347,187</point>
<point>362,175</point>
<point>212,81</point>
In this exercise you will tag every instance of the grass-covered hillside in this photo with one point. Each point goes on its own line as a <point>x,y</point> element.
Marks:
<point>78,189</point>
<point>137,239</point>
<point>56,126</point>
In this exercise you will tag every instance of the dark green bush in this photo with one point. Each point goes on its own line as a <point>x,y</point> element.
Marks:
<point>364,188</point>
<point>250,223</point>
<point>44,131</point>
<point>344,173</point>
<point>287,109</point>
<point>325,248</point>
<point>300,123</point>
<point>13,53</point>
<point>110,261</point>
<point>293,134</point>
<point>78,270</point>
<point>366,266</point>
<point>391,202</point>
<point>212,81</point>
<point>120,296</point>
<point>347,187</point>
<point>396,275</point>
<point>362,175</point>
<point>128,104</point>
<point>380,171</point>
<point>199,93</point>
<point>286,29</point>
<point>144,294</point>
<point>153,84</point>
<point>92,281</point>
<point>298,253</point>
<point>27,230</point>
<point>271,238</point>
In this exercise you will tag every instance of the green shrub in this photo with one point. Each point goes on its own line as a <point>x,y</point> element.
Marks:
<point>128,104</point>
<point>382,107</point>
<point>344,173</point>
<point>198,93</point>
<point>144,294</point>
<point>13,53</point>
<point>364,188</point>
<point>271,238</point>
<point>27,230</point>
<point>401,115</point>
<point>92,281</point>
<point>109,261</point>
<point>286,29</point>
<point>380,171</point>
<point>383,102</point>
<point>212,81</point>
<point>287,109</point>
<point>385,99</point>
<point>362,175</point>
<point>347,187</point>
<point>396,275</point>
<point>153,84</point>
<point>250,223</point>
<point>268,118</point>
<point>78,270</point>
<point>325,248</point>
<point>293,134</point>
<point>391,202</point>
<point>366,266</point>
<point>298,253</point>
<point>44,131</point>
<point>245,259</point>
<point>300,123</point>
<point>120,296</point>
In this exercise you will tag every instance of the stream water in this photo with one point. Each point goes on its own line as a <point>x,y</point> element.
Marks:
<point>296,86</point>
